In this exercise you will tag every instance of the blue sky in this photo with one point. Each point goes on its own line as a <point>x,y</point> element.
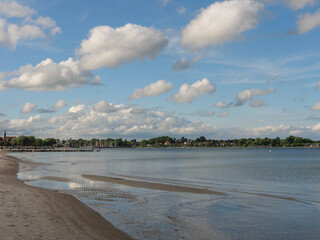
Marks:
<point>144,68</point>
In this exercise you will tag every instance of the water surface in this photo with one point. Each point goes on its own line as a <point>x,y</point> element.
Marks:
<point>270,193</point>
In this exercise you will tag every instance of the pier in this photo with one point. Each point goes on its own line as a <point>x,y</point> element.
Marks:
<point>44,149</point>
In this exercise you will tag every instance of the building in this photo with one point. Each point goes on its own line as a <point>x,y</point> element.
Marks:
<point>7,138</point>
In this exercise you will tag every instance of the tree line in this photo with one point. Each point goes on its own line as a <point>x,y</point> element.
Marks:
<point>163,141</point>
<point>28,141</point>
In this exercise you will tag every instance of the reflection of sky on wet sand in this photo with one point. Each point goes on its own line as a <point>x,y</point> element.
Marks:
<point>270,195</point>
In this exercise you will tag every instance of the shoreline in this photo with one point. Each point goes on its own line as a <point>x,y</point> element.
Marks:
<point>96,149</point>
<point>28,212</point>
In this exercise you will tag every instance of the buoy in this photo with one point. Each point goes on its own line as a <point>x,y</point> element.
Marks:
<point>180,154</point>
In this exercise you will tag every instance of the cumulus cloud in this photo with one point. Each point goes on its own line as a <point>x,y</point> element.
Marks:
<point>60,104</point>
<point>247,94</point>
<point>196,127</point>
<point>49,76</point>
<point>308,21</point>
<point>284,130</point>
<point>220,23</point>
<point>257,103</point>
<point>109,119</point>
<point>105,107</point>
<point>298,4</point>
<point>224,114</point>
<point>12,9</point>
<point>267,130</point>
<point>221,105</point>
<point>86,121</point>
<point>112,47</point>
<point>184,64</point>
<point>316,107</point>
<point>188,93</point>
<point>25,124</point>
<point>29,107</point>
<point>24,26</point>
<point>10,34</point>
<point>153,89</point>
<point>315,128</point>
<point>96,121</point>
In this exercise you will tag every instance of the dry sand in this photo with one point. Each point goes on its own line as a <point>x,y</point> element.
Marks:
<point>32,213</point>
<point>153,185</point>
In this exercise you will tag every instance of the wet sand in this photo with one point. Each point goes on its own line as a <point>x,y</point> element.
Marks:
<point>153,185</point>
<point>32,213</point>
<point>50,178</point>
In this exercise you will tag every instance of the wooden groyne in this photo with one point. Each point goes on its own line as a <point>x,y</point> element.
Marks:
<point>45,149</point>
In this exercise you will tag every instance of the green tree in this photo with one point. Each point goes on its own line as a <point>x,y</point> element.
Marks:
<point>38,142</point>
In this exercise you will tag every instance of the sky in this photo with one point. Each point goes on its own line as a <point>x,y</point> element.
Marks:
<point>138,69</point>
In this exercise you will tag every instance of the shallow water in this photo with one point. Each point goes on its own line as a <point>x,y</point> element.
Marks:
<point>271,194</point>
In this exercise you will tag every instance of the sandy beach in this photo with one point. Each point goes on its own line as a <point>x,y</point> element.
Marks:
<point>32,213</point>
<point>153,185</point>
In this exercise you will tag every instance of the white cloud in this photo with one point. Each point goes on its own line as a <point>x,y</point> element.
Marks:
<point>257,103</point>
<point>113,47</point>
<point>45,21</point>
<point>105,107</point>
<point>188,93</point>
<point>49,76</point>
<point>298,4</point>
<point>220,23</point>
<point>60,104</point>
<point>221,105</point>
<point>26,125</point>
<point>48,23</point>
<point>318,85</point>
<point>10,34</point>
<point>153,89</point>
<point>182,10</point>
<point>24,27</point>
<point>247,94</point>
<point>307,22</point>
<point>184,64</point>
<point>224,114</point>
<point>85,121</point>
<point>285,130</point>
<point>109,119</point>
<point>29,107</point>
<point>316,107</point>
<point>315,128</point>
<point>11,9</point>
<point>77,108</point>
<point>267,130</point>
<point>196,127</point>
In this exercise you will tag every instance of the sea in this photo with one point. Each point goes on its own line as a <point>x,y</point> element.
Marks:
<point>269,193</point>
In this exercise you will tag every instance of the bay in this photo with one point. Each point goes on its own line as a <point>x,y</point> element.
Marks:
<point>266,193</point>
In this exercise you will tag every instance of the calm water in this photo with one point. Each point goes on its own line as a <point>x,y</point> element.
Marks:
<point>272,194</point>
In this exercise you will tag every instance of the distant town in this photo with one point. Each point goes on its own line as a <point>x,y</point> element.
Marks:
<point>164,141</point>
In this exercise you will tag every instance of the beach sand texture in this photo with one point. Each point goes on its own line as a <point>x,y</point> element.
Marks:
<point>32,213</point>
